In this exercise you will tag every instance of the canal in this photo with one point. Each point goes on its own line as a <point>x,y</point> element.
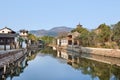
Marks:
<point>48,64</point>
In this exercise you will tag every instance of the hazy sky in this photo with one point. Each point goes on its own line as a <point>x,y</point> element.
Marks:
<point>45,14</point>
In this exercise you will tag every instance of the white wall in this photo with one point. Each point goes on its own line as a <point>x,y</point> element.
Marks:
<point>23,34</point>
<point>58,42</point>
<point>5,30</point>
<point>64,42</point>
<point>24,45</point>
<point>64,55</point>
<point>2,47</point>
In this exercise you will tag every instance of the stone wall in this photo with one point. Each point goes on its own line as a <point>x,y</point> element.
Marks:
<point>7,57</point>
<point>101,51</point>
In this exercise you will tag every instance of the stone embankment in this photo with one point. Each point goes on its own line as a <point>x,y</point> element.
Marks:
<point>97,51</point>
<point>7,57</point>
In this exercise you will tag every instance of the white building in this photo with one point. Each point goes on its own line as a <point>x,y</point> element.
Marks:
<point>69,40</point>
<point>8,38</point>
<point>24,34</point>
<point>6,31</point>
<point>62,42</point>
<point>62,54</point>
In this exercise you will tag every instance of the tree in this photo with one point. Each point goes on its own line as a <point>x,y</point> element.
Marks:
<point>47,39</point>
<point>116,33</point>
<point>84,39</point>
<point>105,32</point>
<point>103,35</point>
<point>32,37</point>
<point>80,30</point>
<point>20,40</point>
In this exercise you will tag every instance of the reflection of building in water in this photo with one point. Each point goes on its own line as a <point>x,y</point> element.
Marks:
<point>16,68</point>
<point>54,48</point>
<point>62,54</point>
<point>13,69</point>
<point>68,56</point>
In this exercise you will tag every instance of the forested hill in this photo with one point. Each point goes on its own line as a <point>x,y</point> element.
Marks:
<point>52,32</point>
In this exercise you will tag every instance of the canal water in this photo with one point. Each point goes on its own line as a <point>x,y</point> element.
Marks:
<point>48,64</point>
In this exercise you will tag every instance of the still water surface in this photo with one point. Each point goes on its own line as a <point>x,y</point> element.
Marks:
<point>51,65</point>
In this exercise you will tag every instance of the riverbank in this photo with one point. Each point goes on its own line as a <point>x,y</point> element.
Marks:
<point>97,51</point>
<point>9,56</point>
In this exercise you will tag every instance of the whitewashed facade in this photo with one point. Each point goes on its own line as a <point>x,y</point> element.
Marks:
<point>6,31</point>
<point>62,42</point>
<point>8,39</point>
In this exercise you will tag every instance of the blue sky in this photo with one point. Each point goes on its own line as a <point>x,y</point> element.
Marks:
<point>46,14</point>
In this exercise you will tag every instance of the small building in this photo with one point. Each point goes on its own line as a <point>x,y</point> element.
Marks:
<point>24,35</point>
<point>62,42</point>
<point>69,40</point>
<point>8,38</point>
<point>6,30</point>
<point>62,54</point>
<point>72,38</point>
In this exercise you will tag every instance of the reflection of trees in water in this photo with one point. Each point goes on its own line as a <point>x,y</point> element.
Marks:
<point>88,67</point>
<point>32,54</point>
<point>49,50</point>
<point>97,69</point>
<point>16,68</point>
<point>116,72</point>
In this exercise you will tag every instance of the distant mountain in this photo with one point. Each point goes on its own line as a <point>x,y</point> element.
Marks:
<point>52,32</point>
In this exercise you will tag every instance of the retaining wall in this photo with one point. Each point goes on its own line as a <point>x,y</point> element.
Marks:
<point>98,51</point>
<point>10,56</point>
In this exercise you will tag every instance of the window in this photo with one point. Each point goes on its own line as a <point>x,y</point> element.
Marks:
<point>2,31</point>
<point>8,40</point>
<point>1,40</point>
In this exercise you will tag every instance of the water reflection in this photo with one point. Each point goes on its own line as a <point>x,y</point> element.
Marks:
<point>79,62</point>
<point>16,68</point>
<point>87,66</point>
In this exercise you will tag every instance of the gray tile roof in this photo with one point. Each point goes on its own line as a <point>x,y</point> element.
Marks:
<point>8,35</point>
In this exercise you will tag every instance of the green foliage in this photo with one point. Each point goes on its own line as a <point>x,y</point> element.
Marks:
<point>47,39</point>
<point>20,39</point>
<point>116,33</point>
<point>104,34</point>
<point>49,50</point>
<point>84,35</point>
<point>32,37</point>
<point>84,38</point>
<point>80,30</point>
